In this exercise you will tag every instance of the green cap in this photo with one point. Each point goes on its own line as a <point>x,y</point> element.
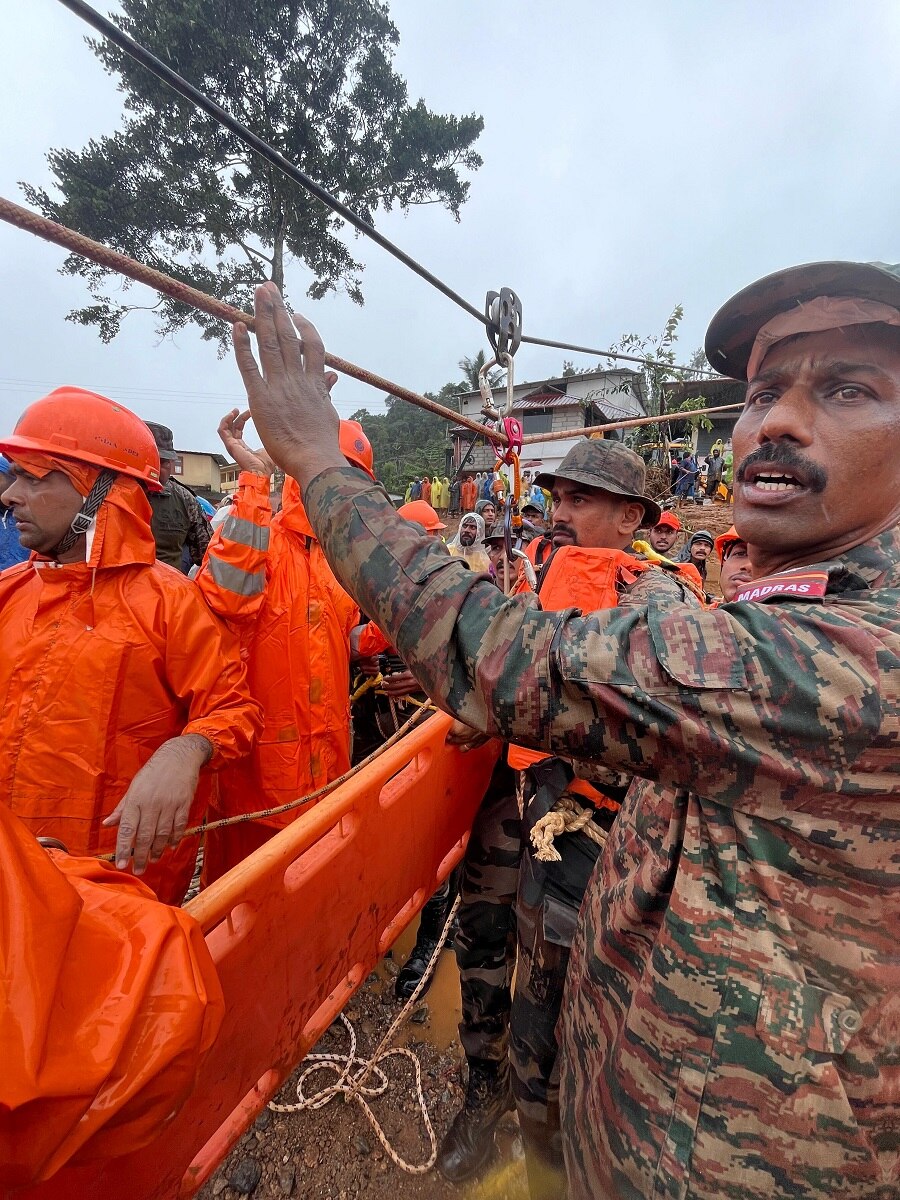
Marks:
<point>732,331</point>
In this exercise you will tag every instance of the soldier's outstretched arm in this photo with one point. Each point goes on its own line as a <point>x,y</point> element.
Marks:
<point>704,700</point>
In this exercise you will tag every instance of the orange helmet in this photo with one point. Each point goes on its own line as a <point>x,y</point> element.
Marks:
<point>73,423</point>
<point>356,447</point>
<point>423,514</point>
<point>725,541</point>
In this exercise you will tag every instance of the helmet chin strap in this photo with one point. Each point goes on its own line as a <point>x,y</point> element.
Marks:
<point>81,522</point>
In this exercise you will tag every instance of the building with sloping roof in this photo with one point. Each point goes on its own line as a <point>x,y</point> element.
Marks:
<point>551,406</point>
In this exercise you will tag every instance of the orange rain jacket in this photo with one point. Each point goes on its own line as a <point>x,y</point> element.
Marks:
<point>108,1002</point>
<point>102,662</point>
<point>268,577</point>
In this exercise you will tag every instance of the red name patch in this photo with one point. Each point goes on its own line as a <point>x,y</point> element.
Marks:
<point>796,585</point>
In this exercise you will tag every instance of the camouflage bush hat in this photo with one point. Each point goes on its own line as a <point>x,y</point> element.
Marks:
<point>733,330</point>
<point>165,442</point>
<point>610,467</point>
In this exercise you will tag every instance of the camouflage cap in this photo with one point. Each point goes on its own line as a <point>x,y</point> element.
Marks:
<point>165,442</point>
<point>609,467</point>
<point>733,330</point>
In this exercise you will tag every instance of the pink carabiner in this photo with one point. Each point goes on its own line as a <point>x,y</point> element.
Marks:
<point>512,428</point>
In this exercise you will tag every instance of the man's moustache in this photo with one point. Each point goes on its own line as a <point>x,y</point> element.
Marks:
<point>780,454</point>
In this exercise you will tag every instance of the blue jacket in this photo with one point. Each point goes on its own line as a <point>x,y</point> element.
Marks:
<point>11,549</point>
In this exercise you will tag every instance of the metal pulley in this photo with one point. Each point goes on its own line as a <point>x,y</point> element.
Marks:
<point>503,314</point>
<point>503,311</point>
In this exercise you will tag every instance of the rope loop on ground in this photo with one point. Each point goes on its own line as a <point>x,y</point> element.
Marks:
<point>353,1072</point>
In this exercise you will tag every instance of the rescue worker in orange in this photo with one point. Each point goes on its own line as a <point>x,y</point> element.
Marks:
<point>736,570</point>
<point>119,685</point>
<point>79,939</point>
<point>267,577</point>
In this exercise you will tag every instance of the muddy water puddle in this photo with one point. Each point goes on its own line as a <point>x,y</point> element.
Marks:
<point>442,998</point>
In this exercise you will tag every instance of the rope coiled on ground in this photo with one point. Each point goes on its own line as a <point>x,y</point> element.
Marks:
<point>353,1072</point>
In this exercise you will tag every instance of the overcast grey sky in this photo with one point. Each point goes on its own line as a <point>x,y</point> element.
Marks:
<point>637,154</point>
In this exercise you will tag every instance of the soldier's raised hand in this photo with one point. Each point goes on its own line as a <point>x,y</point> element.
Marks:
<point>289,396</point>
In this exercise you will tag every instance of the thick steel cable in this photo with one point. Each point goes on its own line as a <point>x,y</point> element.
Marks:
<point>183,293</point>
<point>181,85</point>
<point>645,362</point>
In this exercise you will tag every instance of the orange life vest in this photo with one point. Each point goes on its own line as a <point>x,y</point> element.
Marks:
<point>588,579</point>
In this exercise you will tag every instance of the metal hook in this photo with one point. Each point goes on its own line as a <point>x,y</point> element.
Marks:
<point>488,407</point>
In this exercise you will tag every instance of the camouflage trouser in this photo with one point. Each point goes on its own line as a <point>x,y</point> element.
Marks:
<point>540,976</point>
<point>486,940</point>
<point>547,906</point>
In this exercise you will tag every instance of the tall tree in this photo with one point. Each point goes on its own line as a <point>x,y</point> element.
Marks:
<point>315,79</point>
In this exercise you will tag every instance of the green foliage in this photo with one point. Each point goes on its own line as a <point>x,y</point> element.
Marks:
<point>315,80</point>
<point>688,406</point>
<point>471,367</point>
<point>407,441</point>
<point>659,351</point>
<point>660,369</point>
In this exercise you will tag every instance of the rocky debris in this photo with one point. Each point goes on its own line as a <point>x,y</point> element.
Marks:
<point>245,1176</point>
<point>285,1176</point>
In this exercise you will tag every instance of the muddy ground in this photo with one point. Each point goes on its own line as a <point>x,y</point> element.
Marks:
<point>333,1153</point>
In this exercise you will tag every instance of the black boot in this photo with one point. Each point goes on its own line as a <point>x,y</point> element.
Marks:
<point>469,1141</point>
<point>431,923</point>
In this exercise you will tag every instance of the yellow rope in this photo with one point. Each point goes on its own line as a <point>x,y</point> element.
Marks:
<point>372,682</point>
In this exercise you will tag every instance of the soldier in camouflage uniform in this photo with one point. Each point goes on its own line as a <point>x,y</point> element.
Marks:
<point>733,1004</point>
<point>598,503</point>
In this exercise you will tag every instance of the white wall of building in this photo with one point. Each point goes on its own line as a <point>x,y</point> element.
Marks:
<point>610,390</point>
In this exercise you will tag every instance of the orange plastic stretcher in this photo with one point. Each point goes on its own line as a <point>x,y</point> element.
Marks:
<point>294,930</point>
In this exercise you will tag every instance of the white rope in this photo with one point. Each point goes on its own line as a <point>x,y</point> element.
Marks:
<point>353,1072</point>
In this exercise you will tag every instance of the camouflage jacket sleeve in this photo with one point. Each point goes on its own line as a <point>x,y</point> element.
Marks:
<point>706,700</point>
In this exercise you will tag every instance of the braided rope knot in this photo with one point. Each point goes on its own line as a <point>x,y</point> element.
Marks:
<point>566,816</point>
